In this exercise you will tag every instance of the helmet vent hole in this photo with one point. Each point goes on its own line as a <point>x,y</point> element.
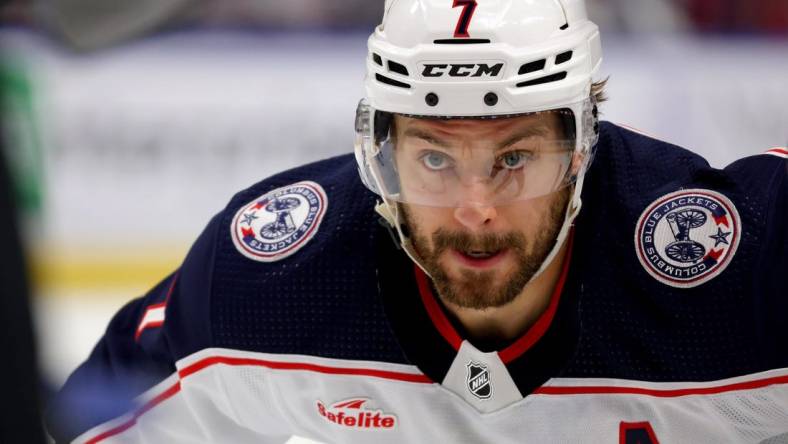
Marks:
<point>398,68</point>
<point>542,80</point>
<point>376,58</point>
<point>532,67</point>
<point>431,99</point>
<point>563,57</point>
<point>392,82</point>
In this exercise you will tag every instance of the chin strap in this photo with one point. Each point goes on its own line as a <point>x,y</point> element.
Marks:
<point>572,210</point>
<point>590,127</point>
<point>391,214</point>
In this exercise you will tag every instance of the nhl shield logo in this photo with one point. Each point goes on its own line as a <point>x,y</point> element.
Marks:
<point>478,380</point>
<point>280,222</point>
<point>688,237</point>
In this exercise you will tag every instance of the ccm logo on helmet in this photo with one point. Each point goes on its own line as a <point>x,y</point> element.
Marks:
<point>483,70</point>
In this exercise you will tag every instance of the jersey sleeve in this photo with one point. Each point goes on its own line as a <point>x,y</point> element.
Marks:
<point>761,182</point>
<point>129,388</point>
<point>119,369</point>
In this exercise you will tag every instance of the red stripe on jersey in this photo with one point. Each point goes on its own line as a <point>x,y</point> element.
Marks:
<point>167,394</point>
<point>150,318</point>
<point>539,328</point>
<point>782,152</point>
<point>226,360</point>
<point>435,312</point>
<point>661,393</point>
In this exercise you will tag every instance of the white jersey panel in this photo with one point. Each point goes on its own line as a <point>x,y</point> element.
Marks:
<point>232,396</point>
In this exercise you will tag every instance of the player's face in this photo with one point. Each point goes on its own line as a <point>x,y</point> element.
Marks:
<point>481,254</point>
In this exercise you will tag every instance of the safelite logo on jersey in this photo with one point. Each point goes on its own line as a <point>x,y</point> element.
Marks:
<point>351,413</point>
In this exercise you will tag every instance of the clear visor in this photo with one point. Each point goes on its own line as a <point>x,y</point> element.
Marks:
<point>472,162</point>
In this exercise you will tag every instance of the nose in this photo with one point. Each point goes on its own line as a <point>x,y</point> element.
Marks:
<point>475,218</point>
<point>476,209</point>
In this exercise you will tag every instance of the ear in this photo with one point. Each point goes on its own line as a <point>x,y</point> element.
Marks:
<point>577,164</point>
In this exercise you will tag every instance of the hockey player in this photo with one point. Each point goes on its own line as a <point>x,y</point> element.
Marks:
<point>458,292</point>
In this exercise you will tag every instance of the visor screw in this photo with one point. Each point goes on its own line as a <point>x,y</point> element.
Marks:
<point>431,99</point>
<point>491,99</point>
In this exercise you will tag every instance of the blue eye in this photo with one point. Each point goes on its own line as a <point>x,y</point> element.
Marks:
<point>514,159</point>
<point>435,161</point>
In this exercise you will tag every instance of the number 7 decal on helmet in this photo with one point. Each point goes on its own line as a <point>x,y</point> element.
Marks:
<point>468,8</point>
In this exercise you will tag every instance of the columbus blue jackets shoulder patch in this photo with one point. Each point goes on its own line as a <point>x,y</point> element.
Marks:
<point>280,222</point>
<point>687,237</point>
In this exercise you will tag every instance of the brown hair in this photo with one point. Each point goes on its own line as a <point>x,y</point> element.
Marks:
<point>598,90</point>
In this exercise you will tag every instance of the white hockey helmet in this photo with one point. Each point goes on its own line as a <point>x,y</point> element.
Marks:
<point>478,59</point>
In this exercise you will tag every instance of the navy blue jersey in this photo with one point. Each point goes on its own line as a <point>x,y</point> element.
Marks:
<point>296,313</point>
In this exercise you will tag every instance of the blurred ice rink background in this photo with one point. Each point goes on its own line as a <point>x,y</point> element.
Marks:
<point>128,126</point>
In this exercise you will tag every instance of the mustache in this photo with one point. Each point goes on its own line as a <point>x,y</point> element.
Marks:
<point>489,242</point>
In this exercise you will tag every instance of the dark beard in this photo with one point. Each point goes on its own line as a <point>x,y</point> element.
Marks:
<point>478,290</point>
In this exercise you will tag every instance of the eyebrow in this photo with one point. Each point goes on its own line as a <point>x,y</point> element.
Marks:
<point>427,137</point>
<point>531,131</point>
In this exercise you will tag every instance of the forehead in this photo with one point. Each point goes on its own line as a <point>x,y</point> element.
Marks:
<point>548,123</point>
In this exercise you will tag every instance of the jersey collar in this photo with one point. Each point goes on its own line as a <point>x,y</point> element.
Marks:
<point>519,346</point>
<point>430,341</point>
